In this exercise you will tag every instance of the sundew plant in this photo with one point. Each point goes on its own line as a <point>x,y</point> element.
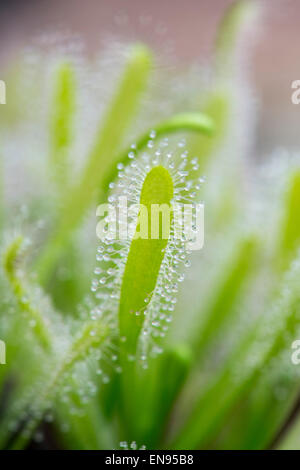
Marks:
<point>145,343</point>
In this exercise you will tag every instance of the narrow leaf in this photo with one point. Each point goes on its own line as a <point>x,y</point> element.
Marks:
<point>102,156</point>
<point>144,261</point>
<point>62,116</point>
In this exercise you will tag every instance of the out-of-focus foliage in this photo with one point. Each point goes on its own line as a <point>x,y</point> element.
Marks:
<point>169,348</point>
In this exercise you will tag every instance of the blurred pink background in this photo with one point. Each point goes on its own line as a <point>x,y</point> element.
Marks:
<point>189,27</point>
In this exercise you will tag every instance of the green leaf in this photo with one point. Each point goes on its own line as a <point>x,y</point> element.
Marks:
<point>101,158</point>
<point>87,431</point>
<point>144,261</point>
<point>224,297</point>
<point>289,237</point>
<point>92,336</point>
<point>263,406</point>
<point>218,103</point>
<point>290,439</point>
<point>139,280</point>
<point>217,106</point>
<point>162,386</point>
<point>153,393</point>
<point>20,290</point>
<point>191,122</point>
<point>269,336</point>
<point>62,117</point>
<point>239,15</point>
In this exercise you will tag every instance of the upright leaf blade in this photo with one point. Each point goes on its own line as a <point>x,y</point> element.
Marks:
<point>101,158</point>
<point>144,261</point>
<point>62,117</point>
<point>289,238</point>
<point>241,13</point>
<point>257,348</point>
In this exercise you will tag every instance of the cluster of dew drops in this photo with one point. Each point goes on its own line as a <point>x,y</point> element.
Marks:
<point>112,253</point>
<point>112,256</point>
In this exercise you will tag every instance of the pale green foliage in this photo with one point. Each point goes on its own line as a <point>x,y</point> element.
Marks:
<point>62,123</point>
<point>145,357</point>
